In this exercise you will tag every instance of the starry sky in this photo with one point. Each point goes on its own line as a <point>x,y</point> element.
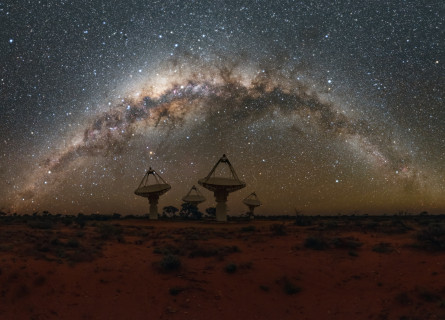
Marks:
<point>323,107</point>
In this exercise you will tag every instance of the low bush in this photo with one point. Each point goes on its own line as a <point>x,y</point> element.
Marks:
<point>40,224</point>
<point>174,291</point>
<point>432,237</point>
<point>170,262</point>
<point>108,231</point>
<point>278,229</point>
<point>353,253</point>
<point>204,251</point>
<point>428,295</point>
<point>248,229</point>
<point>289,287</point>
<point>403,299</point>
<point>303,221</point>
<point>231,268</point>
<point>315,243</point>
<point>383,247</point>
<point>346,243</point>
<point>168,249</point>
<point>264,288</point>
<point>72,243</point>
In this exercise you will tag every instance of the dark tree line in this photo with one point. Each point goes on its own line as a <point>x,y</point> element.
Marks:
<point>187,211</point>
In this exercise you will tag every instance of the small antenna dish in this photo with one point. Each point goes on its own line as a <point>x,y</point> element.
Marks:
<point>194,196</point>
<point>252,202</point>
<point>152,187</point>
<point>222,180</point>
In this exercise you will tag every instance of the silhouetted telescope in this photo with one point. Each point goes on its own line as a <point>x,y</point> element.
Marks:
<point>194,197</point>
<point>222,180</point>
<point>252,202</point>
<point>152,191</point>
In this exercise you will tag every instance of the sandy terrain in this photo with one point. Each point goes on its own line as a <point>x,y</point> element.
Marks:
<point>139,269</point>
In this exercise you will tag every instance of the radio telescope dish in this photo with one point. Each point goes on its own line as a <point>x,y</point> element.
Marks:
<point>152,187</point>
<point>252,202</point>
<point>222,180</point>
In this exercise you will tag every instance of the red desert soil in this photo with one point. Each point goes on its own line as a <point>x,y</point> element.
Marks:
<point>237,270</point>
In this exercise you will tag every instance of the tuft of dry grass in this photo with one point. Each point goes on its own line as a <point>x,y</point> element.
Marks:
<point>432,237</point>
<point>169,263</point>
<point>316,243</point>
<point>278,229</point>
<point>383,247</point>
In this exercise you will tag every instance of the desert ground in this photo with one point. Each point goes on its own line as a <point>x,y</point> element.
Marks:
<point>345,267</point>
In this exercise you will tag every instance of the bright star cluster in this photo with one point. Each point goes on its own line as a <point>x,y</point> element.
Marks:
<point>322,107</point>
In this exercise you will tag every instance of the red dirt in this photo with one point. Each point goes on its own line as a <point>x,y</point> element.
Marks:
<point>124,279</point>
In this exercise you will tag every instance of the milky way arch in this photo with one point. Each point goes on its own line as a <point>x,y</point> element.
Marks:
<point>214,106</point>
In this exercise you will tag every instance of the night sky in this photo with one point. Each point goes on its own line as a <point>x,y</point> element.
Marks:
<point>321,107</point>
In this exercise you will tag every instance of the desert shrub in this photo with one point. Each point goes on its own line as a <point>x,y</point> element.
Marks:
<point>83,255</point>
<point>393,226</point>
<point>315,243</point>
<point>170,262</point>
<point>194,236</point>
<point>370,226</point>
<point>278,229</point>
<point>264,288</point>
<point>303,221</point>
<point>202,251</point>
<point>169,211</point>
<point>6,247</point>
<point>428,295</point>
<point>289,287</point>
<point>403,299</point>
<point>331,225</point>
<point>72,243</point>
<point>61,253</point>
<point>81,221</point>
<point>42,247</point>
<point>353,253</point>
<point>382,247</point>
<point>108,231</point>
<point>168,249</point>
<point>157,250</point>
<point>196,250</point>
<point>226,250</point>
<point>190,211</point>
<point>70,250</point>
<point>56,242</point>
<point>40,224</point>
<point>248,229</point>
<point>231,268</point>
<point>231,249</point>
<point>67,221</point>
<point>22,291</point>
<point>346,243</point>
<point>40,281</point>
<point>211,212</point>
<point>116,216</point>
<point>399,226</point>
<point>246,265</point>
<point>432,237</point>
<point>174,291</point>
